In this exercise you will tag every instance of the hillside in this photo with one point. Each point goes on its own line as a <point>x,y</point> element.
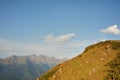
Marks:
<point>99,61</point>
<point>25,67</point>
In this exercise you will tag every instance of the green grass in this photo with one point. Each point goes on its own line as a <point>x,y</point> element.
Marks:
<point>49,74</point>
<point>113,72</point>
<point>116,46</point>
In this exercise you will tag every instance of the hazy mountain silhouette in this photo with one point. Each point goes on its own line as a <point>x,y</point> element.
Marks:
<point>25,67</point>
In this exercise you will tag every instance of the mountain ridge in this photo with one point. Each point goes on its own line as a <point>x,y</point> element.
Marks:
<point>25,67</point>
<point>93,64</point>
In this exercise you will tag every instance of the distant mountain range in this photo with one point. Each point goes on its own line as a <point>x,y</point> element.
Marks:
<point>99,61</point>
<point>26,67</point>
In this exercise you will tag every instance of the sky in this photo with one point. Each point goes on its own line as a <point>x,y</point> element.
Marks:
<point>59,28</point>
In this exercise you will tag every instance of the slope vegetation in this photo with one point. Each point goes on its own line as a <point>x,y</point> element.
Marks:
<point>100,61</point>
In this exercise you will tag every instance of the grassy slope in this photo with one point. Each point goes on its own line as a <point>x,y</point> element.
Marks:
<point>92,64</point>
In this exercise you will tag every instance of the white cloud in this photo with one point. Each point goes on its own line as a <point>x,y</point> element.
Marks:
<point>100,40</point>
<point>111,30</point>
<point>70,48</point>
<point>59,39</point>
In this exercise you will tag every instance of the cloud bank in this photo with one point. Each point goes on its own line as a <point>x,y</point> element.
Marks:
<point>57,46</point>
<point>111,30</point>
<point>8,48</point>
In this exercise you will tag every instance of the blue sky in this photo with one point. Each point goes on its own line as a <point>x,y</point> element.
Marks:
<point>56,24</point>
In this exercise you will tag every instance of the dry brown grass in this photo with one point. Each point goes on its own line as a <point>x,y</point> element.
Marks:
<point>90,65</point>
